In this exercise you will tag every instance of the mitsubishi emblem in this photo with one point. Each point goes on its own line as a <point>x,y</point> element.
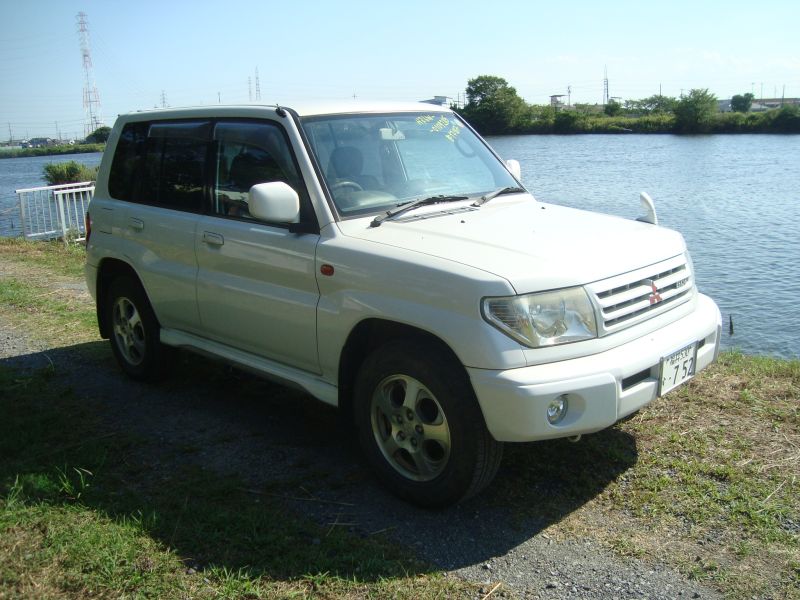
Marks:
<point>655,297</point>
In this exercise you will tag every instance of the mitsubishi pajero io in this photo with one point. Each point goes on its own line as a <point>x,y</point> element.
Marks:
<point>385,260</point>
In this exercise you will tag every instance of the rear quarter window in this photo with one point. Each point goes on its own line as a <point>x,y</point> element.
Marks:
<point>127,158</point>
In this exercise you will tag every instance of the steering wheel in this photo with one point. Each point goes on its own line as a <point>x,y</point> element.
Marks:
<point>346,183</point>
<point>463,148</point>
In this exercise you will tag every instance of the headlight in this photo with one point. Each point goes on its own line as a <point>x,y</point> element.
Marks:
<point>544,319</point>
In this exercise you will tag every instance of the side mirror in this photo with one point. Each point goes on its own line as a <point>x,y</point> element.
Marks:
<point>513,166</point>
<point>274,202</point>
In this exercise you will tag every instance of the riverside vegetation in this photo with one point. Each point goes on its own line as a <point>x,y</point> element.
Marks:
<point>494,108</point>
<point>705,479</point>
<point>69,172</point>
<point>94,142</point>
<point>52,150</point>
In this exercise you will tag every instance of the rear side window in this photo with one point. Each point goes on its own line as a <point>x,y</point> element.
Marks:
<point>127,157</point>
<point>173,173</point>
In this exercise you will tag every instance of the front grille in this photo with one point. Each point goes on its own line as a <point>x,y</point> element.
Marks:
<point>628,299</point>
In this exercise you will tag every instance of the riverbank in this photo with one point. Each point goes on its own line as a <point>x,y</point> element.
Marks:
<point>576,121</point>
<point>188,488</point>
<point>51,150</point>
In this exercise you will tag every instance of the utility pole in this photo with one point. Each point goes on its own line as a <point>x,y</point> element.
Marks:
<point>219,98</point>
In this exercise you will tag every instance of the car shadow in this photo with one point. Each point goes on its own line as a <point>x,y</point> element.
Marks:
<point>210,439</point>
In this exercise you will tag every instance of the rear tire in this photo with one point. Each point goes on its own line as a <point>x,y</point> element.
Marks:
<point>420,425</point>
<point>134,331</point>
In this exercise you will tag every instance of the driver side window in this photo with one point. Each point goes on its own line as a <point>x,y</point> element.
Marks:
<point>248,153</point>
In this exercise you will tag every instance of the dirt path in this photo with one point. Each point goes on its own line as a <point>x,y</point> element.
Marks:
<point>286,443</point>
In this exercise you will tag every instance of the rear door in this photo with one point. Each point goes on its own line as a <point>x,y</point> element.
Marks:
<point>256,284</point>
<point>159,223</point>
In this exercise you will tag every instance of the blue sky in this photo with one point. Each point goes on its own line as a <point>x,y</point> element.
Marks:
<point>199,52</point>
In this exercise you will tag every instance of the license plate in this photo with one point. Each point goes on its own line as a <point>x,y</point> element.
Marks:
<point>677,368</point>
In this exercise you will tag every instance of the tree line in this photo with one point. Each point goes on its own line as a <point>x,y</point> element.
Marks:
<point>494,108</point>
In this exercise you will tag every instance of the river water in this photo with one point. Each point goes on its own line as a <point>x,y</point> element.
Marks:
<point>735,198</point>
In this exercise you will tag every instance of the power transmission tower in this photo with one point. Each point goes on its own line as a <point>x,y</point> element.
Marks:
<point>569,95</point>
<point>258,87</point>
<point>163,99</point>
<point>91,97</point>
<point>605,86</point>
<point>249,89</point>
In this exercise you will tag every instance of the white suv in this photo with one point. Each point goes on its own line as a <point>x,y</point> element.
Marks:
<point>385,260</point>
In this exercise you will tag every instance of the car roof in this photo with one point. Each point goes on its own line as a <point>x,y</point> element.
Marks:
<point>302,109</point>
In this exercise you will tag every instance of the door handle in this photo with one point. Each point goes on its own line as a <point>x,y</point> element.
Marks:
<point>213,239</point>
<point>135,224</point>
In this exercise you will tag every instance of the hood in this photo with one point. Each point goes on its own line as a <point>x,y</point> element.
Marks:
<point>535,246</point>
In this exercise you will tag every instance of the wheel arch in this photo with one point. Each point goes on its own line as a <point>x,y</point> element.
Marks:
<point>368,335</point>
<point>108,270</point>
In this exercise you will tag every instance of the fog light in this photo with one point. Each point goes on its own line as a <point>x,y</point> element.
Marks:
<point>557,410</point>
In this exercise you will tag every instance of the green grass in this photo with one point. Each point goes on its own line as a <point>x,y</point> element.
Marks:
<point>80,516</point>
<point>54,257</point>
<point>39,290</point>
<point>30,302</point>
<point>706,479</point>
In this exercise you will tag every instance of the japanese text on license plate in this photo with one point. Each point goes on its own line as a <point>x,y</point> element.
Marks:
<point>677,368</point>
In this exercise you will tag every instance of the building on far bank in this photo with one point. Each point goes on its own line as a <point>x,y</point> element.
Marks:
<point>760,105</point>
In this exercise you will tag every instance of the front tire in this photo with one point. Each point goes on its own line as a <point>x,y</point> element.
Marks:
<point>135,331</point>
<point>420,425</point>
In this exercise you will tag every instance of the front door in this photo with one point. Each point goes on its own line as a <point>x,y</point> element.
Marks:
<point>256,283</point>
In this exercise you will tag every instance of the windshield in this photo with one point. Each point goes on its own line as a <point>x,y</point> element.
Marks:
<point>376,162</point>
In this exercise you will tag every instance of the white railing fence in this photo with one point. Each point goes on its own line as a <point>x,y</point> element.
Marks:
<point>55,211</point>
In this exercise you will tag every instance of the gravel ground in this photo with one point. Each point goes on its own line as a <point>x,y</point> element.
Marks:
<point>278,439</point>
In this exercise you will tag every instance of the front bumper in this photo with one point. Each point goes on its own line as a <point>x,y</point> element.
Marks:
<point>602,388</point>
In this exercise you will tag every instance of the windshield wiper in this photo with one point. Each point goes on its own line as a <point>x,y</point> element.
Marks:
<point>412,205</point>
<point>506,190</point>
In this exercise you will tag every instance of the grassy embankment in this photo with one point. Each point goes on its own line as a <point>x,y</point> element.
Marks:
<point>706,479</point>
<point>79,518</point>
<point>51,150</point>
